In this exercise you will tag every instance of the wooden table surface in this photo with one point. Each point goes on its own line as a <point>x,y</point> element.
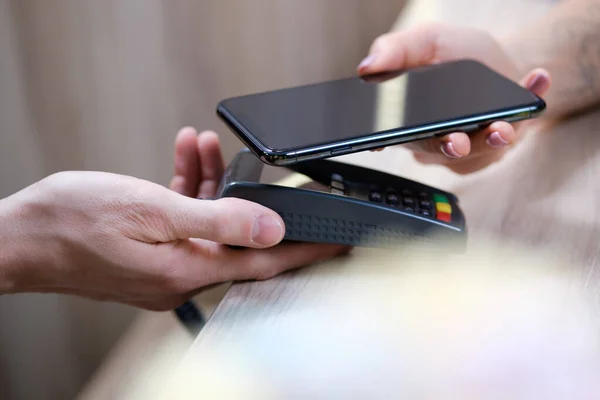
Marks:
<point>514,317</point>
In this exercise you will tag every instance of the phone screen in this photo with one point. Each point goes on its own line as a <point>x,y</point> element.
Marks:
<point>330,112</point>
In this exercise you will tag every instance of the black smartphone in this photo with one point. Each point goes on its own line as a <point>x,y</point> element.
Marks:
<point>344,116</point>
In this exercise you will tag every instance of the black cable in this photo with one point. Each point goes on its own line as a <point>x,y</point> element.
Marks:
<point>191,317</point>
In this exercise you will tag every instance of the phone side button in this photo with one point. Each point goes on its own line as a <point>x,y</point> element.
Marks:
<point>471,128</point>
<point>340,150</point>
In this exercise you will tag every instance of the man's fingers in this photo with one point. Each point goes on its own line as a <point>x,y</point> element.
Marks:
<point>401,50</point>
<point>497,135</point>
<point>229,221</point>
<point>199,163</point>
<point>194,265</point>
<point>186,177</point>
<point>211,164</point>
<point>251,264</point>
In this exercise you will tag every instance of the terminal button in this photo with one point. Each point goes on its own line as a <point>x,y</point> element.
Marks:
<point>425,204</point>
<point>438,198</point>
<point>445,217</point>
<point>408,201</point>
<point>443,208</point>
<point>375,196</point>
<point>392,199</point>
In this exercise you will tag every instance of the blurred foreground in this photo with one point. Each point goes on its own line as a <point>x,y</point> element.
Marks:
<point>500,322</point>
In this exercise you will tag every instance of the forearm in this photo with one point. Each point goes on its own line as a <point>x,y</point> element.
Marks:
<point>566,42</point>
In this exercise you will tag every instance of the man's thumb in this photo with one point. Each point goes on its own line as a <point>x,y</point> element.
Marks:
<point>229,221</point>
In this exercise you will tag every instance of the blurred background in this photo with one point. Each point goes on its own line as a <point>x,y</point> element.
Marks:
<point>105,85</point>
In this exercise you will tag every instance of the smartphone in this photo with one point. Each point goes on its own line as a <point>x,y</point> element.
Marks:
<point>354,114</point>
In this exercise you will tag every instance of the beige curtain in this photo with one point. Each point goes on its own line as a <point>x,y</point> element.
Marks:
<point>104,85</point>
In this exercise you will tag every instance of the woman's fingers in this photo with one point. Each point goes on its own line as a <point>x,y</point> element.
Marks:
<point>497,135</point>
<point>454,145</point>
<point>500,134</point>
<point>537,81</point>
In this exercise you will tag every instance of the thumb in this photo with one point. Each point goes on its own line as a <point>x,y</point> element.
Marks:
<point>402,50</point>
<point>229,221</point>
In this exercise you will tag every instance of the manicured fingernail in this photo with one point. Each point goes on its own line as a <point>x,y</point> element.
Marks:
<point>448,150</point>
<point>495,140</point>
<point>267,231</point>
<point>538,83</point>
<point>366,62</point>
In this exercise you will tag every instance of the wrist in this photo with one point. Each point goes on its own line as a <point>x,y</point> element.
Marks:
<point>26,256</point>
<point>11,268</point>
<point>565,42</point>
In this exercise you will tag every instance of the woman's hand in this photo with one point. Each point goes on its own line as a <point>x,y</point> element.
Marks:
<point>433,43</point>
<point>117,238</point>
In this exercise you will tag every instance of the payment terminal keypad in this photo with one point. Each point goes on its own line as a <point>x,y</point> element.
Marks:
<point>426,204</point>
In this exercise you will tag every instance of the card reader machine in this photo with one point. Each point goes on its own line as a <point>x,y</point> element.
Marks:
<point>349,205</point>
<point>352,205</point>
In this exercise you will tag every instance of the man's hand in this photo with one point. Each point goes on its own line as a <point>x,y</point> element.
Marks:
<point>434,43</point>
<point>199,164</point>
<point>118,238</point>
